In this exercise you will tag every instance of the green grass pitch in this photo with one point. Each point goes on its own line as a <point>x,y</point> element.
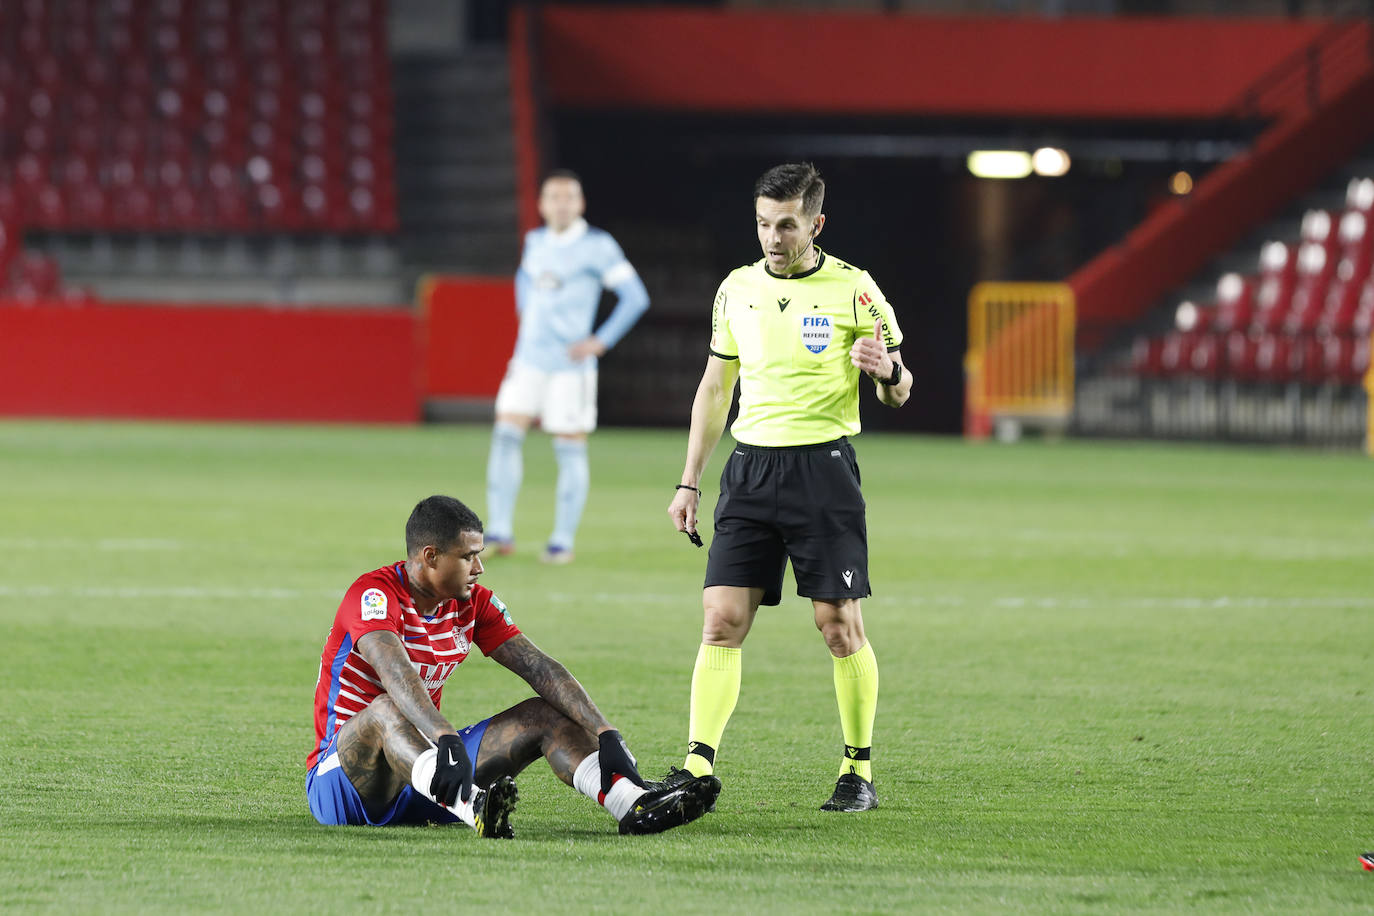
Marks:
<point>1114,677</point>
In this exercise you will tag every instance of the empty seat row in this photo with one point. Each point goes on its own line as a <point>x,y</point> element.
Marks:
<point>1305,316</point>
<point>1240,357</point>
<point>131,127</point>
<point>1313,287</point>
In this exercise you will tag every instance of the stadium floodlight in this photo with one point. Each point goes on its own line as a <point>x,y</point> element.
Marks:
<point>1186,315</point>
<point>1050,161</point>
<point>1181,183</point>
<point>999,163</point>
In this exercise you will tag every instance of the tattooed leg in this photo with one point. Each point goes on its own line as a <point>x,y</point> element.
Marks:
<point>524,733</point>
<point>377,749</point>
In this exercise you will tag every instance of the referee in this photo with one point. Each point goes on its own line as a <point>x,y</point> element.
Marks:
<point>796,329</point>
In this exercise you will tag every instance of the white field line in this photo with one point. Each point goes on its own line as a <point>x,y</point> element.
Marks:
<point>1051,602</point>
<point>690,598</point>
<point>183,592</point>
<point>108,544</point>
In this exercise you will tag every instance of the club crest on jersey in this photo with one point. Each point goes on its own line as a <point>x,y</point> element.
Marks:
<point>374,604</point>
<point>815,332</point>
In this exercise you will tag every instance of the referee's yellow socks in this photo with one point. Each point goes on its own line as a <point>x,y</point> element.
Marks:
<point>715,690</point>
<point>856,690</point>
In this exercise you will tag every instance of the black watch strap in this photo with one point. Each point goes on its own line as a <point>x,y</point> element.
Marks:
<point>896,375</point>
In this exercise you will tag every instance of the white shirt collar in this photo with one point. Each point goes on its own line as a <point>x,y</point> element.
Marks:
<point>570,234</point>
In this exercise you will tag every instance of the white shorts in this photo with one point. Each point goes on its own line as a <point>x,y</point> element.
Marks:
<point>563,402</point>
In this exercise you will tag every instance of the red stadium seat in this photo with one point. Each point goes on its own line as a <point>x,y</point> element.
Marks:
<point>87,207</point>
<point>1319,227</point>
<point>1362,321</point>
<point>10,206</point>
<point>9,244</point>
<point>316,206</point>
<point>180,210</point>
<point>1272,358</point>
<point>36,276</point>
<point>231,210</point>
<point>37,138</point>
<point>1278,275</point>
<point>31,171</point>
<point>1205,359</point>
<point>1305,360</point>
<point>1338,360</point>
<point>1341,300</point>
<point>48,208</point>
<point>125,171</point>
<point>1359,360</point>
<point>1240,357</point>
<point>1359,194</point>
<point>1145,356</point>
<point>1176,353</point>
<point>1356,244</point>
<point>1309,291</point>
<point>135,206</point>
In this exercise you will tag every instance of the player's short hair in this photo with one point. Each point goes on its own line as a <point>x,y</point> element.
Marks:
<point>790,181</point>
<point>566,174</point>
<point>439,521</point>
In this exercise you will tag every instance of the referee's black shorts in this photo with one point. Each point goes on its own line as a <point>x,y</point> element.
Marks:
<point>801,503</point>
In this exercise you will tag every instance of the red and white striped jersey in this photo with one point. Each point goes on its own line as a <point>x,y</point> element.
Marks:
<point>437,644</point>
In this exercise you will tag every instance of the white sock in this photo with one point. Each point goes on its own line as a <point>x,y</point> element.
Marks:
<point>618,801</point>
<point>422,773</point>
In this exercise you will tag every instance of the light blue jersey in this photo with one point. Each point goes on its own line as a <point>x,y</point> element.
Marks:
<point>558,288</point>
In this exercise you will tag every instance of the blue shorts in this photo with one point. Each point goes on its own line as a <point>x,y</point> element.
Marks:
<point>334,801</point>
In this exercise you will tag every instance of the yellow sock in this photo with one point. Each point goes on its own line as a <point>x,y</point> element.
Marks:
<point>715,690</point>
<point>856,690</point>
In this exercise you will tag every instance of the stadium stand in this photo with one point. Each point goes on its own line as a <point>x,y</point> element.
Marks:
<point>226,150</point>
<point>171,116</point>
<point>1277,354</point>
<point>1318,300</point>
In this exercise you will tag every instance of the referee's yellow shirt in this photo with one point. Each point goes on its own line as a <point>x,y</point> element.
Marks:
<point>792,337</point>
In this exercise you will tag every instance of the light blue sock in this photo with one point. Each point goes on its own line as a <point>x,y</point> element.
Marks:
<point>574,479</point>
<point>505,468</point>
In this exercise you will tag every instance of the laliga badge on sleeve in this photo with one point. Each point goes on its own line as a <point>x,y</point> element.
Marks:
<point>374,604</point>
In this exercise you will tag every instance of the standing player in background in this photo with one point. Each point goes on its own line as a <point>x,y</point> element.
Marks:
<point>796,329</point>
<point>552,376</point>
<point>384,754</point>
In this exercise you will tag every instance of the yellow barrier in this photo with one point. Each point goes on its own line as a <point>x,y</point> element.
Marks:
<point>1369,401</point>
<point>1020,354</point>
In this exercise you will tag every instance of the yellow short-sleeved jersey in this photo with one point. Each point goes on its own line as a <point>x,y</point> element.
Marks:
<point>792,337</point>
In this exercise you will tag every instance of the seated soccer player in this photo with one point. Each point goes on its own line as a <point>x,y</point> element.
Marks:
<point>384,754</point>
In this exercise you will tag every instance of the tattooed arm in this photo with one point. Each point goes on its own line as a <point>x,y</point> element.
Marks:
<point>551,681</point>
<point>384,651</point>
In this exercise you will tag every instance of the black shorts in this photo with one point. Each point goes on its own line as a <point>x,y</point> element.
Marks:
<point>800,503</point>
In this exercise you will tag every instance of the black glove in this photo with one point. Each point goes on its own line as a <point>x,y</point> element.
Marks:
<point>616,760</point>
<point>452,772</point>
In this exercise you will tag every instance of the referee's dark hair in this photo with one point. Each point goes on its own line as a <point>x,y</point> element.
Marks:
<point>439,521</point>
<point>790,181</point>
<point>566,174</point>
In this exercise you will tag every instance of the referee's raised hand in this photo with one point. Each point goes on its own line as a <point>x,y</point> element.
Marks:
<point>869,354</point>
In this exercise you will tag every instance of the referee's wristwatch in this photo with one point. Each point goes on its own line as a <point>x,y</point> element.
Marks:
<point>896,375</point>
